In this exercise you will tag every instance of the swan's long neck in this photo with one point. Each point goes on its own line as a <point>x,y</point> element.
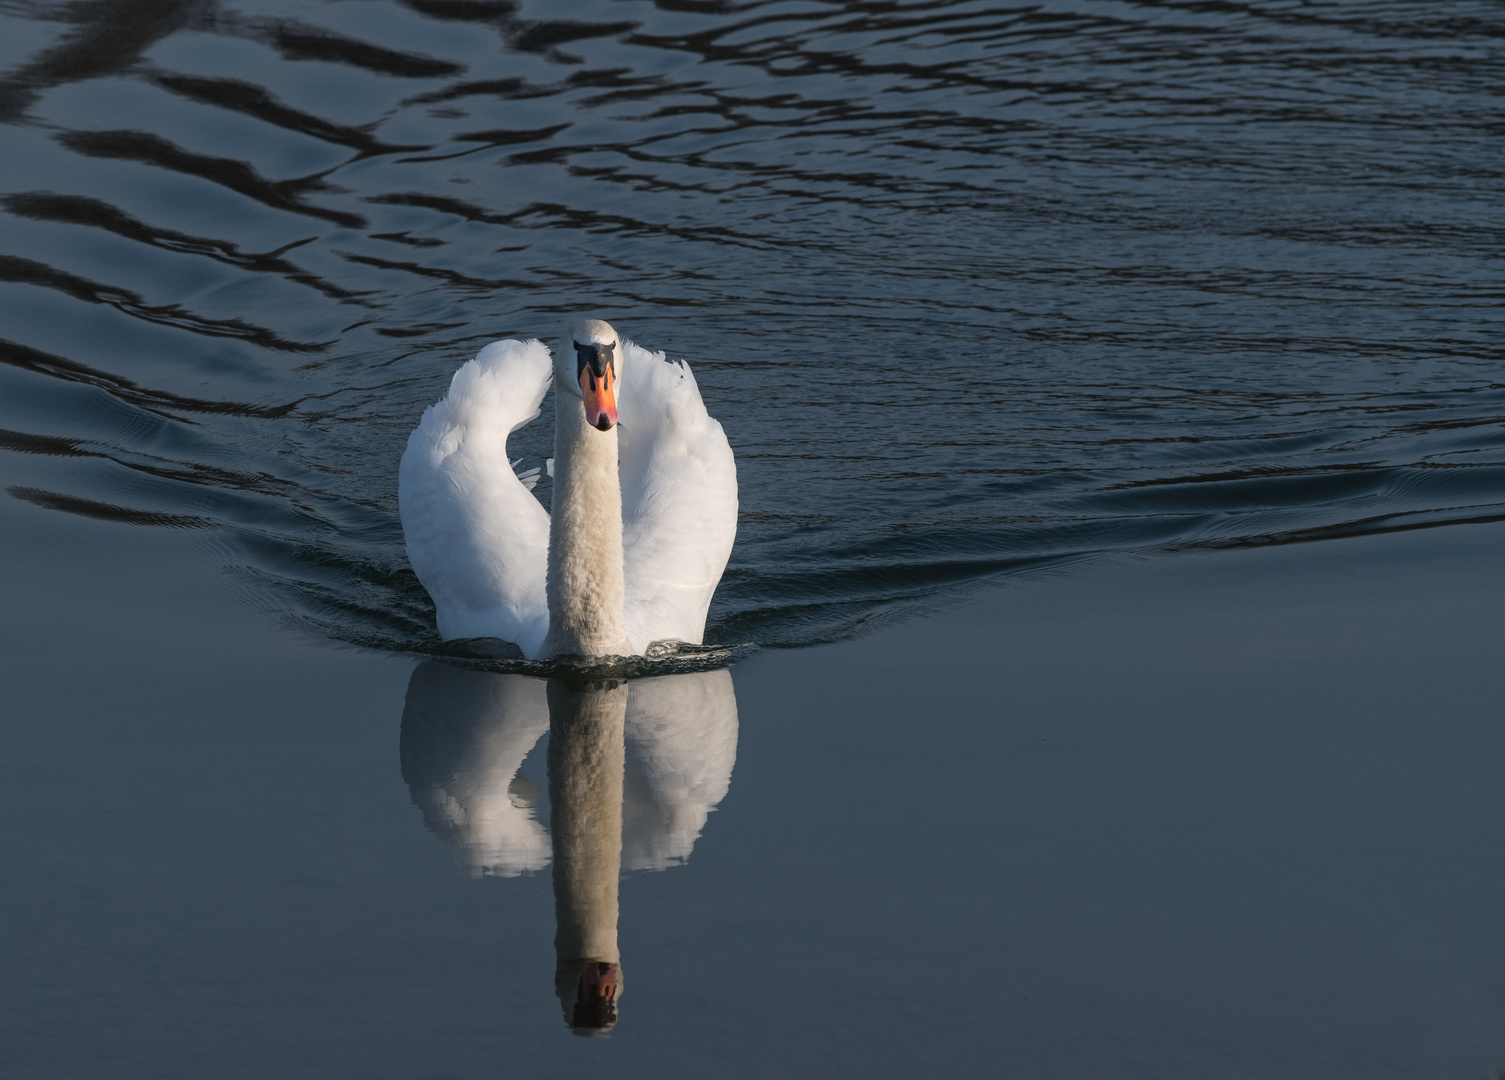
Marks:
<point>585,581</point>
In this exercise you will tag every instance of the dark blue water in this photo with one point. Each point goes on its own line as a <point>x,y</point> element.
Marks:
<point>1232,816</point>
<point>974,288</point>
<point>984,296</point>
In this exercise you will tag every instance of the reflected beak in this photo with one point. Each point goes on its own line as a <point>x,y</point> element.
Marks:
<point>596,998</point>
<point>600,393</point>
<point>598,980</point>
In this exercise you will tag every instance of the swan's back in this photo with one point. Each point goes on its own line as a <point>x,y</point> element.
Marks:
<point>679,500</point>
<point>477,538</point>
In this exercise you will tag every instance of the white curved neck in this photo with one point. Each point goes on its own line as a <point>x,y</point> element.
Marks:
<point>585,580</point>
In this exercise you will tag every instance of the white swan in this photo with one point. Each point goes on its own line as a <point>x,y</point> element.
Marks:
<point>645,500</point>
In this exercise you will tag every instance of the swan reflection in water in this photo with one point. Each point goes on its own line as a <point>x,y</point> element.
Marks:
<point>634,769</point>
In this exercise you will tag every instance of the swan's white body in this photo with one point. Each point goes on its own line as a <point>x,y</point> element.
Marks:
<point>644,513</point>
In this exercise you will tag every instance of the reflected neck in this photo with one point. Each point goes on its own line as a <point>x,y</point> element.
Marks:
<point>586,759</point>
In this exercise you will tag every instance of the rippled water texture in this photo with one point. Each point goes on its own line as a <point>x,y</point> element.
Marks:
<point>975,288</point>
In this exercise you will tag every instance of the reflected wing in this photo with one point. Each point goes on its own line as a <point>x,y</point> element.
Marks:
<point>464,735</point>
<point>679,499</point>
<point>681,745</point>
<point>477,537</point>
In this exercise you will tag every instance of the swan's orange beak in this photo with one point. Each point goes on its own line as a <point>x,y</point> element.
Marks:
<point>600,392</point>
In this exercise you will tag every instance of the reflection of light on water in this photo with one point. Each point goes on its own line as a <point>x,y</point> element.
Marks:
<point>681,743</point>
<point>464,735</point>
<point>586,722</point>
<point>635,769</point>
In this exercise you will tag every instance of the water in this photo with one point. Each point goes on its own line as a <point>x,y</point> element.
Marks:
<point>1233,815</point>
<point>974,289</point>
<point>993,301</point>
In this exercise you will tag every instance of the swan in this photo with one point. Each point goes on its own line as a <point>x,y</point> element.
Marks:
<point>645,500</point>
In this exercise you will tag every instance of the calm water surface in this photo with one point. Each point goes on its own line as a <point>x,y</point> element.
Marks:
<point>982,293</point>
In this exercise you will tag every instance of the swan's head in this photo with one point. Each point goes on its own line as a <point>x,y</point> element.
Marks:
<point>589,365</point>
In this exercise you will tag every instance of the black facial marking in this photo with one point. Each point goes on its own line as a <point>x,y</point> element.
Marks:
<point>595,357</point>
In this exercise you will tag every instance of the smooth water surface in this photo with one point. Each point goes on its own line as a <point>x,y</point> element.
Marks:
<point>1228,816</point>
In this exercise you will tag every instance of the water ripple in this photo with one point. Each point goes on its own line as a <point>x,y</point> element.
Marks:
<point>977,291</point>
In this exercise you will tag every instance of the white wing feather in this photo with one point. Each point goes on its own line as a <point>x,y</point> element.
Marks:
<point>679,499</point>
<point>477,537</point>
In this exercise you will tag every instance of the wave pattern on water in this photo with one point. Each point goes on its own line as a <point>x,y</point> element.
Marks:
<point>975,289</point>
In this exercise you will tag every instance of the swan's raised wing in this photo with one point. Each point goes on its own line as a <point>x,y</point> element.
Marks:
<point>681,745</point>
<point>679,499</point>
<point>477,537</point>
